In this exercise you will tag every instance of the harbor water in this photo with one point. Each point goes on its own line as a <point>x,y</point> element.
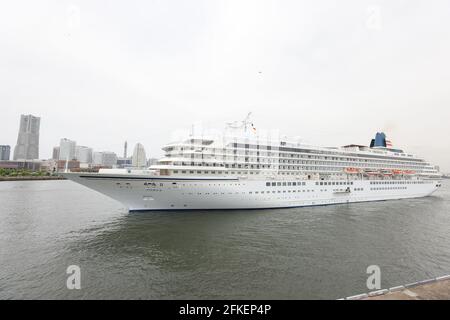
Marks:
<point>302,253</point>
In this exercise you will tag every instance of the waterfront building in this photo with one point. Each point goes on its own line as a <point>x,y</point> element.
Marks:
<point>105,159</point>
<point>109,159</point>
<point>139,157</point>
<point>83,154</point>
<point>97,158</point>
<point>124,163</point>
<point>27,147</point>
<point>67,149</point>
<point>5,152</point>
<point>50,165</point>
<point>55,154</point>
<point>31,165</point>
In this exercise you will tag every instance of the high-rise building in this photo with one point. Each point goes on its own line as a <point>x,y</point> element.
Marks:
<point>97,158</point>
<point>125,147</point>
<point>27,147</point>
<point>109,159</point>
<point>5,152</point>
<point>83,154</point>
<point>67,149</point>
<point>105,158</point>
<point>139,157</point>
<point>55,155</point>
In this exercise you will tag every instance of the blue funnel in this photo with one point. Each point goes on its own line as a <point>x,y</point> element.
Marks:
<point>379,141</point>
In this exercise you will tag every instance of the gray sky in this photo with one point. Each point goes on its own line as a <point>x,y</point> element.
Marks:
<point>332,72</point>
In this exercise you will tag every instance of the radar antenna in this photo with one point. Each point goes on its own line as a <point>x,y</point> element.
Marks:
<point>240,124</point>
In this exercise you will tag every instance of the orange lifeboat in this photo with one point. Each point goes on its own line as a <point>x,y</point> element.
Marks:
<point>352,170</point>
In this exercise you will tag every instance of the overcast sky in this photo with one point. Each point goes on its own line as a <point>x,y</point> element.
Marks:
<point>332,72</point>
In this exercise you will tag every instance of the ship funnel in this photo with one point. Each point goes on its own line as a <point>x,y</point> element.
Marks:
<point>379,141</point>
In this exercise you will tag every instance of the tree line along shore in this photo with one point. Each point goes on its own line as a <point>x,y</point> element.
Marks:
<point>23,174</point>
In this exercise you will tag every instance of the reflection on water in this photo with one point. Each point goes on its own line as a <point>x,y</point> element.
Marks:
<point>301,253</point>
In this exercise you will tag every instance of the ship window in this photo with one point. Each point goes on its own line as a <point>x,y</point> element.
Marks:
<point>267,184</point>
<point>274,184</point>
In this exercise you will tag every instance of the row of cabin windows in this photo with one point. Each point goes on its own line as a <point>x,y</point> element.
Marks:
<point>371,163</point>
<point>321,183</point>
<point>286,151</point>
<point>334,183</point>
<point>232,172</point>
<point>398,182</point>
<point>285,168</point>
<point>276,156</point>
<point>389,188</point>
<point>282,191</point>
<point>275,184</point>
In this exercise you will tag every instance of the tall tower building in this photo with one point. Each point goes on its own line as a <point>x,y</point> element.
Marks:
<point>27,147</point>
<point>67,149</point>
<point>125,147</point>
<point>139,157</point>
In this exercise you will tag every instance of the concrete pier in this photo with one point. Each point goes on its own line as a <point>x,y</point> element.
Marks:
<point>431,289</point>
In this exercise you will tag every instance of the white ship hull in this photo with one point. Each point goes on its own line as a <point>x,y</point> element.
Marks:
<point>172,193</point>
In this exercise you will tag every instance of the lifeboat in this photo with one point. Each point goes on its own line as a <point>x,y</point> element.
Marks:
<point>352,170</point>
<point>409,172</point>
<point>397,172</point>
<point>370,172</point>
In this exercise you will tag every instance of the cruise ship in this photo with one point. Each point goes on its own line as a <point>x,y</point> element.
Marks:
<point>241,170</point>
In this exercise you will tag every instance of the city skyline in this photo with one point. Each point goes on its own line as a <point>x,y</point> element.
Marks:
<point>331,74</point>
<point>26,152</point>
